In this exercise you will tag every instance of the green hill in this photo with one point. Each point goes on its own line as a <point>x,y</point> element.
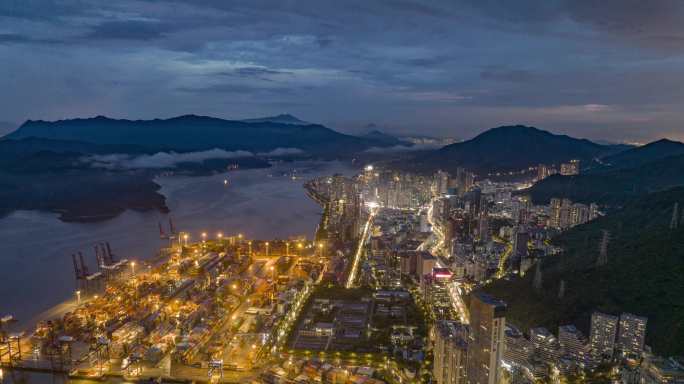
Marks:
<point>612,187</point>
<point>644,274</point>
<point>637,156</point>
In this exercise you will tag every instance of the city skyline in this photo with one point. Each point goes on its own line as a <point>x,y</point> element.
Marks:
<point>603,71</point>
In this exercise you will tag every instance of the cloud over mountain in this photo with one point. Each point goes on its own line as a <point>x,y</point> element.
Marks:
<point>161,160</point>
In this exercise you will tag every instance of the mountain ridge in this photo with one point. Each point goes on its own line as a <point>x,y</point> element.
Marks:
<point>193,133</point>
<point>512,148</point>
<point>612,186</point>
<point>640,155</point>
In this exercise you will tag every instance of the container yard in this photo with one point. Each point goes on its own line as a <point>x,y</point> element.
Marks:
<point>214,310</point>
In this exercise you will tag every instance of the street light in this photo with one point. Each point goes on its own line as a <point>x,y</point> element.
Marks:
<point>267,249</point>
<point>220,235</point>
<point>185,238</point>
<point>249,243</point>
<point>287,248</point>
<point>132,267</point>
<point>204,236</point>
<point>78,297</point>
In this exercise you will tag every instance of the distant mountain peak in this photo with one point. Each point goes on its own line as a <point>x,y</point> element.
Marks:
<point>512,148</point>
<point>283,118</point>
<point>378,133</point>
<point>665,141</point>
<point>384,138</point>
<point>643,154</point>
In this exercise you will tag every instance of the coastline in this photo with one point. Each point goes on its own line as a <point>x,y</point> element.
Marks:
<point>35,266</point>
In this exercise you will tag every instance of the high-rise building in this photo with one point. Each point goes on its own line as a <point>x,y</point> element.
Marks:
<point>483,227</point>
<point>603,330</point>
<point>520,240</point>
<point>631,334</point>
<point>570,168</point>
<point>426,262</point>
<point>344,207</point>
<point>464,180</point>
<point>564,214</point>
<point>486,342</point>
<point>440,183</point>
<point>450,352</point>
<point>579,214</point>
<point>542,172</point>
<point>593,211</point>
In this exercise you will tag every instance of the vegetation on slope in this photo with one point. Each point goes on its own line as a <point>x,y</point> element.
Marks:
<point>612,187</point>
<point>643,275</point>
<point>510,148</point>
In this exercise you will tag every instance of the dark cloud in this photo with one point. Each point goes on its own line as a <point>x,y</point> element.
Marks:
<point>507,75</point>
<point>128,30</point>
<point>602,69</point>
<point>260,73</point>
<point>14,38</point>
<point>238,89</point>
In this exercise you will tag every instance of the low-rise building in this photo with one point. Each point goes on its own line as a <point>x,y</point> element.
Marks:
<point>659,370</point>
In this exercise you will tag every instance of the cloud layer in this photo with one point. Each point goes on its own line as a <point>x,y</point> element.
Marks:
<point>162,160</point>
<point>609,69</point>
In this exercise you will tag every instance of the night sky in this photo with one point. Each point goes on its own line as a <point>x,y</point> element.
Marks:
<point>608,69</point>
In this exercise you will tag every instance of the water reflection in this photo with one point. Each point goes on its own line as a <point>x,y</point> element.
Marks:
<point>35,264</point>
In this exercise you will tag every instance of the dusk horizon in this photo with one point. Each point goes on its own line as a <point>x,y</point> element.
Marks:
<point>605,70</point>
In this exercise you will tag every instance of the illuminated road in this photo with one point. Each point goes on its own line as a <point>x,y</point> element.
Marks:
<point>501,270</point>
<point>457,302</point>
<point>438,248</point>
<point>359,250</point>
<point>454,288</point>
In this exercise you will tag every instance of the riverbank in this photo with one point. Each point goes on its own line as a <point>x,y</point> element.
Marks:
<point>35,265</point>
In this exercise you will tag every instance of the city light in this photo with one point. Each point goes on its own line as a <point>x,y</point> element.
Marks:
<point>359,250</point>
